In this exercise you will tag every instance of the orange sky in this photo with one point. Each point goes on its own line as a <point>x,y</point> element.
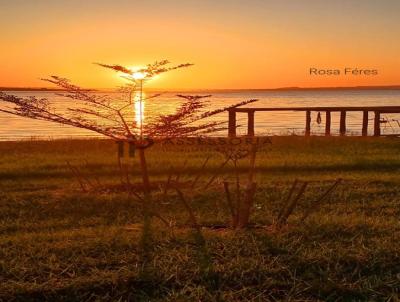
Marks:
<point>234,44</point>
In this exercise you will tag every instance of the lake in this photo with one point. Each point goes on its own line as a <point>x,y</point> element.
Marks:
<point>266,123</point>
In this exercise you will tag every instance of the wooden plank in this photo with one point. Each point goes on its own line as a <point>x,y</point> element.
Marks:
<point>232,123</point>
<point>365,123</point>
<point>386,109</point>
<point>308,123</point>
<point>377,124</point>
<point>328,123</point>
<point>250,123</point>
<point>342,122</point>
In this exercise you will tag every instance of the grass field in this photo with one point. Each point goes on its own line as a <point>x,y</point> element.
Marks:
<point>59,244</point>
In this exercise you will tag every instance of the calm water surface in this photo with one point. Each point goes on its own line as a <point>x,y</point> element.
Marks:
<point>267,123</point>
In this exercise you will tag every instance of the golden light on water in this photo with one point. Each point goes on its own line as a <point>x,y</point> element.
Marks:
<point>139,108</point>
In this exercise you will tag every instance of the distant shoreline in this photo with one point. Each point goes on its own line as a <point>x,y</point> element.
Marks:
<point>388,87</point>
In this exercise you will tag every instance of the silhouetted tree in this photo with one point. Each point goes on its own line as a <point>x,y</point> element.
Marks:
<point>113,115</point>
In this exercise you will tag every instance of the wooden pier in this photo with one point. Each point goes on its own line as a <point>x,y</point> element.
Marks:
<point>377,111</point>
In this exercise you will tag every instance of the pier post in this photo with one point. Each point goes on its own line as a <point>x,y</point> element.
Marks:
<point>343,123</point>
<point>328,124</point>
<point>232,123</point>
<point>250,123</point>
<point>365,123</point>
<point>377,123</point>
<point>365,110</point>
<point>308,123</point>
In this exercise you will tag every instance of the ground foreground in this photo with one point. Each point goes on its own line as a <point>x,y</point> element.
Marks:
<point>59,244</point>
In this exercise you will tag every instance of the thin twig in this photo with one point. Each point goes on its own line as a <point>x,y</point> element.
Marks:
<point>167,184</point>
<point>292,205</point>
<point>189,210</point>
<point>212,178</point>
<point>289,197</point>
<point>229,201</point>
<point>318,202</point>
<point>180,171</point>
<point>245,210</point>
<point>238,199</point>
<point>77,177</point>
<point>199,173</point>
<point>94,176</point>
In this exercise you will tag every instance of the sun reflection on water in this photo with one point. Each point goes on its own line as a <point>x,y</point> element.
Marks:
<point>139,108</point>
<point>12,127</point>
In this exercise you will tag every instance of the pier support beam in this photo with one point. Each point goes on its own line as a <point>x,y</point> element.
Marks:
<point>365,123</point>
<point>343,123</point>
<point>250,123</point>
<point>377,110</point>
<point>232,124</point>
<point>308,123</point>
<point>328,124</point>
<point>377,123</point>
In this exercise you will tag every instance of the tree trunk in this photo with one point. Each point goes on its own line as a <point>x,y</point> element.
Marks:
<point>144,172</point>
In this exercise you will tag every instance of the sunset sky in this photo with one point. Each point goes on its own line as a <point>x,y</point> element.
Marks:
<point>233,44</point>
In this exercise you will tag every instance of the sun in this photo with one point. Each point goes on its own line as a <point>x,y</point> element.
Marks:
<point>139,75</point>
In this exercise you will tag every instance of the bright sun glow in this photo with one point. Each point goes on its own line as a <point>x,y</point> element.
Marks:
<point>138,75</point>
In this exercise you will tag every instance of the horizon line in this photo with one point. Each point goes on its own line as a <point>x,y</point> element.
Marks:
<point>290,88</point>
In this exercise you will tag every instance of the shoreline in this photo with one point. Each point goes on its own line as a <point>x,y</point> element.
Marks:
<point>292,136</point>
<point>217,90</point>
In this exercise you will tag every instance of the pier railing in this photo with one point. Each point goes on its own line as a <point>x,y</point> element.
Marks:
<point>377,111</point>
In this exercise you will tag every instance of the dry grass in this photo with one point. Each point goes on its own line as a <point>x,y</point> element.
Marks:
<point>59,244</point>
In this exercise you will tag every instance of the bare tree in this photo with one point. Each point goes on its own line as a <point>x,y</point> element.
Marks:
<point>113,115</point>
